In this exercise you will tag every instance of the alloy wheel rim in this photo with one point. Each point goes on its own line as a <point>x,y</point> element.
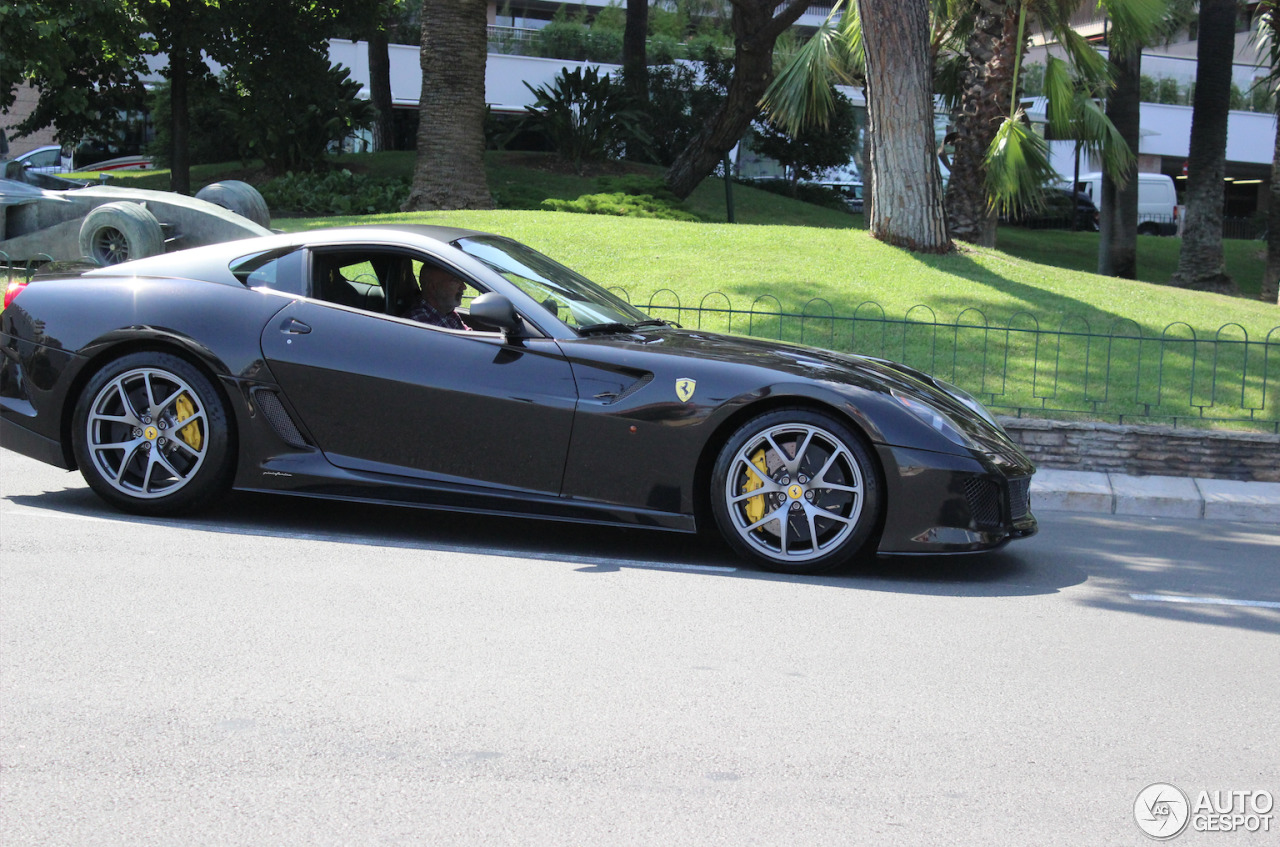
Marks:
<point>147,433</point>
<point>111,247</point>
<point>794,492</point>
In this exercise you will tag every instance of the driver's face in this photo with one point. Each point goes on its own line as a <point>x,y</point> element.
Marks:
<point>442,289</point>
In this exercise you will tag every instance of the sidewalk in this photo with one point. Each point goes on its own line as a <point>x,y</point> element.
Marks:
<point>1156,496</point>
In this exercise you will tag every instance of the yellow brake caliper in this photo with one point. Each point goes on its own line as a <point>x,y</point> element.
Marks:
<point>754,508</point>
<point>183,408</point>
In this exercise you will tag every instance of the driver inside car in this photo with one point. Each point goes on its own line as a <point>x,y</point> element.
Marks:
<point>441,297</point>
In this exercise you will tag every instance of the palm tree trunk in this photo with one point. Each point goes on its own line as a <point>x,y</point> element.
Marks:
<point>984,102</point>
<point>1270,292</point>
<point>755,29</point>
<point>1118,218</point>
<point>449,171</point>
<point>1200,262</point>
<point>906,184</point>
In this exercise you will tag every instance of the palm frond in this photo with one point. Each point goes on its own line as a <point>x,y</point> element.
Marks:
<point>1101,138</point>
<point>1134,23</point>
<point>1060,89</point>
<point>1017,165</point>
<point>1090,65</point>
<point>801,94</point>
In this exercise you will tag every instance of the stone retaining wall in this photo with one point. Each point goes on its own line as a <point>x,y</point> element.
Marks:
<point>1148,450</point>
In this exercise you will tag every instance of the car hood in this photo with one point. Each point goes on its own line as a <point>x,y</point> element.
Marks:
<point>842,372</point>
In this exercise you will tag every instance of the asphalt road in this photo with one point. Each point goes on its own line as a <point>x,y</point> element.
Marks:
<point>290,672</point>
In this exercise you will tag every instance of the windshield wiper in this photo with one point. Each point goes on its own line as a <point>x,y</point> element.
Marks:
<point>615,326</point>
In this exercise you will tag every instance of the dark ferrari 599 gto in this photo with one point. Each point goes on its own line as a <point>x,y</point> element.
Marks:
<point>287,363</point>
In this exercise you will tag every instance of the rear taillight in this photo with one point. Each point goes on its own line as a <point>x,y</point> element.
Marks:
<point>14,289</point>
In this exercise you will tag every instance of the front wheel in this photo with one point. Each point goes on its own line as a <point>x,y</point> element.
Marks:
<point>795,491</point>
<point>151,435</point>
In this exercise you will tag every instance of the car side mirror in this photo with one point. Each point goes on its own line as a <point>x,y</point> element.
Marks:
<point>494,309</point>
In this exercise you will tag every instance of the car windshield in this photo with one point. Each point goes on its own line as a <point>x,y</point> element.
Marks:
<point>568,295</point>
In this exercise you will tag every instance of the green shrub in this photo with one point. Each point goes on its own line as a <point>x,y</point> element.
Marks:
<point>582,116</point>
<point>622,205</point>
<point>334,193</point>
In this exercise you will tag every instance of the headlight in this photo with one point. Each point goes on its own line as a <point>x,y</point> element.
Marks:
<point>972,403</point>
<point>934,418</point>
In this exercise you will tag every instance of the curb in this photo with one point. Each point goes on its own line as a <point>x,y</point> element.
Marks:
<point>1156,496</point>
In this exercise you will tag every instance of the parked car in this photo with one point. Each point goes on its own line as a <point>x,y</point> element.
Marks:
<point>44,217</point>
<point>285,364</point>
<point>1157,201</point>
<point>1060,208</point>
<point>48,159</point>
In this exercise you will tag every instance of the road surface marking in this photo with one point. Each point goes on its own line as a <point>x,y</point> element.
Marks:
<point>1207,601</point>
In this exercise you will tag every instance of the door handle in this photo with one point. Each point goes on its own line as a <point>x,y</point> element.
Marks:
<point>293,326</point>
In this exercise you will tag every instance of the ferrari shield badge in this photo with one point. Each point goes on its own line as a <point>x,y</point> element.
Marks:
<point>684,389</point>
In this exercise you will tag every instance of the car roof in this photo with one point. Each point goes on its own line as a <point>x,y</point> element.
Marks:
<point>197,261</point>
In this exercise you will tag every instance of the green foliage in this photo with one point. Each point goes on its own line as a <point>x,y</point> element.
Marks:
<point>683,98</point>
<point>85,59</point>
<point>289,118</point>
<point>335,193</point>
<point>623,205</point>
<point>583,116</point>
<point>815,148</point>
<point>208,140</point>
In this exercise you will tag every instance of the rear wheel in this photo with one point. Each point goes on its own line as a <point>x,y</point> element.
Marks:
<point>151,435</point>
<point>239,197</point>
<point>795,491</point>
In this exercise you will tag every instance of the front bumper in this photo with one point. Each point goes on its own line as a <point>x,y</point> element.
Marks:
<point>945,503</point>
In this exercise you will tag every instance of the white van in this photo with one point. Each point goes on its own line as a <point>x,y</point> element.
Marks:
<point>1157,201</point>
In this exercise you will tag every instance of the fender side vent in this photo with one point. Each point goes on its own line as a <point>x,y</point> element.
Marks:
<point>633,388</point>
<point>273,410</point>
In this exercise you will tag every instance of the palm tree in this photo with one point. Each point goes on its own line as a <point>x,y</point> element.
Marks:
<point>1118,209</point>
<point>1003,156</point>
<point>904,179</point>
<point>1200,261</point>
<point>449,170</point>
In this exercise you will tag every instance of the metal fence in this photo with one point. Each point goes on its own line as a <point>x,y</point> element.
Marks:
<point>1099,368</point>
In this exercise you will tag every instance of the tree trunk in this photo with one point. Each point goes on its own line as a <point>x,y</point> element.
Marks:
<point>449,170</point>
<point>635,67</point>
<point>755,29</point>
<point>906,184</point>
<point>380,87</point>
<point>1270,292</point>
<point>986,90</point>
<point>1118,218</point>
<point>180,122</point>
<point>1200,262</point>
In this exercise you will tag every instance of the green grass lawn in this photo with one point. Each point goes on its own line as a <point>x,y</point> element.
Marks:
<point>785,257</point>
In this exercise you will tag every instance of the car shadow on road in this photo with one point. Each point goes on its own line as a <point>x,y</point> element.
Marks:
<point>589,548</point>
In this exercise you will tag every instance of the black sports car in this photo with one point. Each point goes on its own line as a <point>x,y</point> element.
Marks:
<point>283,364</point>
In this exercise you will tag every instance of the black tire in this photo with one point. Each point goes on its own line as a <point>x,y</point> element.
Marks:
<point>1148,228</point>
<point>151,435</point>
<point>819,494</point>
<point>239,197</point>
<point>119,232</point>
